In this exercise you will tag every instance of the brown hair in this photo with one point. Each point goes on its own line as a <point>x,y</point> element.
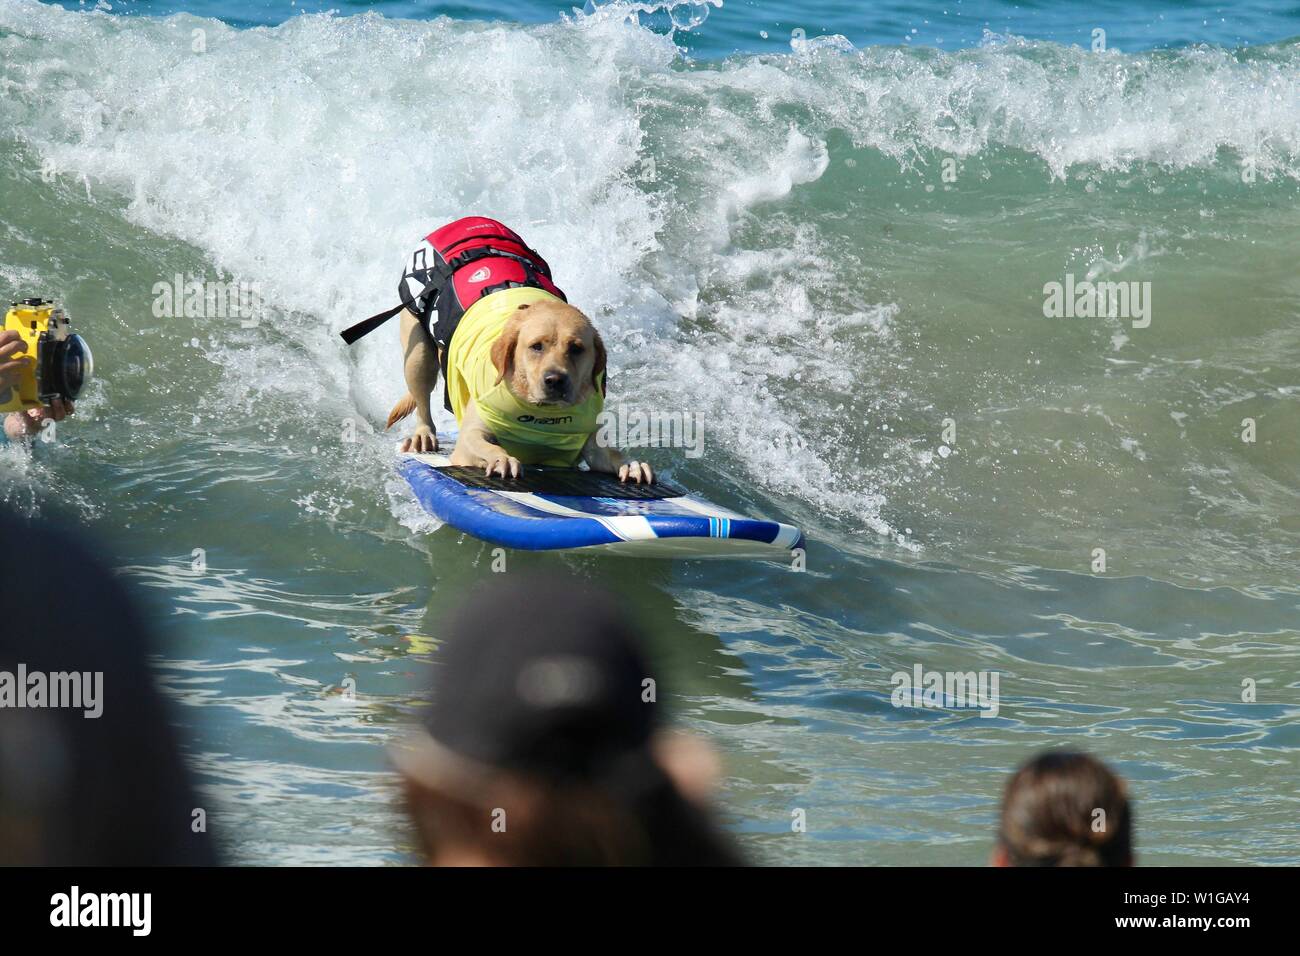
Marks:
<point>1066,809</point>
<point>578,824</point>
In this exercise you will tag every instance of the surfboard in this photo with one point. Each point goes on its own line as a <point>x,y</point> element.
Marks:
<point>562,509</point>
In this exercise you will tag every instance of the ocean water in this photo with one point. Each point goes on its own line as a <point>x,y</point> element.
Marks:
<point>826,232</point>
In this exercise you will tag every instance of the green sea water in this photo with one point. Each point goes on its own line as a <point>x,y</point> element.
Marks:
<point>835,258</point>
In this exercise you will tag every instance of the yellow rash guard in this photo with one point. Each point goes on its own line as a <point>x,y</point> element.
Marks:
<point>535,434</point>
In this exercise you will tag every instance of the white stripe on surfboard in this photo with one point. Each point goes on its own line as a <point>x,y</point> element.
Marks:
<point>705,508</point>
<point>434,459</point>
<point>626,527</point>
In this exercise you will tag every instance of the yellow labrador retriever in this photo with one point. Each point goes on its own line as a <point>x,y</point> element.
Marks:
<point>550,360</point>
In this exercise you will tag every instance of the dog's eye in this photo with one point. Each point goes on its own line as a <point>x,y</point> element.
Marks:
<point>575,348</point>
<point>536,346</point>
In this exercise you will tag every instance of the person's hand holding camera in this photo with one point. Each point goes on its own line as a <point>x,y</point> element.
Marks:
<point>11,344</point>
<point>25,423</point>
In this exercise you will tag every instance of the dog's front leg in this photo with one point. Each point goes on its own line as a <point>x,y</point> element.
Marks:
<point>610,460</point>
<point>477,448</point>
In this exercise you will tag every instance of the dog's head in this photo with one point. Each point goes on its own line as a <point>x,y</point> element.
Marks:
<point>549,354</point>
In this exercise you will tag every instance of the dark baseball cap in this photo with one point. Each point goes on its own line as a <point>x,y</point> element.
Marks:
<point>540,675</point>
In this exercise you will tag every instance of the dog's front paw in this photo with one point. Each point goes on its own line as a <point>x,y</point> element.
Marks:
<point>503,465</point>
<point>423,442</point>
<point>637,472</point>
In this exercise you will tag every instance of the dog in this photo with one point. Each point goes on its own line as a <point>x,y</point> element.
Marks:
<point>524,370</point>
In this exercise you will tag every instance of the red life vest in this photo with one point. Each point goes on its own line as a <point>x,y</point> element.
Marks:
<point>454,267</point>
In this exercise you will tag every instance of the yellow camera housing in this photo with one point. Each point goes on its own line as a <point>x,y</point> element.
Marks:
<point>57,363</point>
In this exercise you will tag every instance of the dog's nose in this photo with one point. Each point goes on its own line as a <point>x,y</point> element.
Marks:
<point>555,381</point>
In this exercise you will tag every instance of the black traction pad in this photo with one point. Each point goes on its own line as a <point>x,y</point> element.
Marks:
<point>564,481</point>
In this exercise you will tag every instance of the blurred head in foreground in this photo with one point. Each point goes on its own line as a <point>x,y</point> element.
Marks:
<point>543,745</point>
<point>89,769</point>
<point>1065,809</point>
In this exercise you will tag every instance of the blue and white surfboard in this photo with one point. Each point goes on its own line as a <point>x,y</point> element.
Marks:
<point>549,509</point>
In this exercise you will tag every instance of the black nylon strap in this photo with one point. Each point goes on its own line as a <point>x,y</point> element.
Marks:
<point>366,326</point>
<point>459,262</point>
<point>363,328</point>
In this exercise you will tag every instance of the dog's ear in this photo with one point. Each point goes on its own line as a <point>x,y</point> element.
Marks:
<point>503,349</point>
<point>598,366</point>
